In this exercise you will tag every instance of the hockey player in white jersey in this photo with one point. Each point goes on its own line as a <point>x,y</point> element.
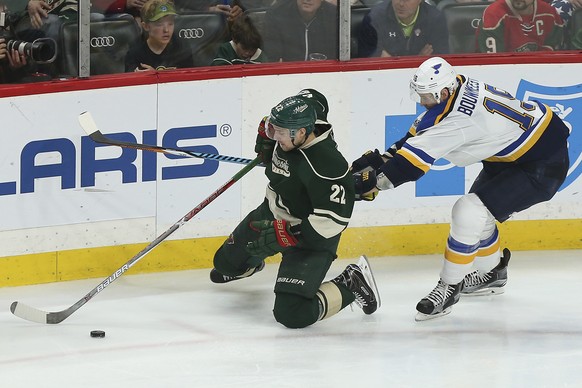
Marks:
<point>523,148</point>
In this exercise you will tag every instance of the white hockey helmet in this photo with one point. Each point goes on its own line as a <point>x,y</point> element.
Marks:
<point>432,76</point>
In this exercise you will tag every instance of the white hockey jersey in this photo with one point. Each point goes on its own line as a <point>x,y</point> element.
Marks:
<point>477,123</point>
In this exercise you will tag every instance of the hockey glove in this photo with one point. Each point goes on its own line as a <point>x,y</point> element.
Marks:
<point>370,160</point>
<point>263,145</point>
<point>275,236</point>
<point>365,182</point>
<point>390,152</point>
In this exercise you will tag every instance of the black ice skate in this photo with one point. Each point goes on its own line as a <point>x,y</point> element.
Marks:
<point>359,279</point>
<point>439,302</point>
<point>492,282</point>
<point>217,277</point>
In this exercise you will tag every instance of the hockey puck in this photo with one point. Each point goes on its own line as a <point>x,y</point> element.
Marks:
<point>98,334</point>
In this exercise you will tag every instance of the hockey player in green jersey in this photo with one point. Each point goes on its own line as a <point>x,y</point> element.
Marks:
<point>308,204</point>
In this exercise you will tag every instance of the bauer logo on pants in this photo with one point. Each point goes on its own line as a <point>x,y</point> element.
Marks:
<point>566,102</point>
<point>282,279</point>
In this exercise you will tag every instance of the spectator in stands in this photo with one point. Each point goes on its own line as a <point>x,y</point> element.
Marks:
<point>566,9</point>
<point>231,9</point>
<point>112,7</point>
<point>255,4</point>
<point>244,46</point>
<point>13,65</point>
<point>161,49</point>
<point>46,16</point>
<point>294,29</point>
<point>574,29</point>
<point>520,25</point>
<point>43,18</point>
<point>576,41</point>
<point>353,3</point>
<point>403,27</point>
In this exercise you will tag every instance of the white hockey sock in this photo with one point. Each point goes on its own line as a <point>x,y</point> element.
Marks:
<point>489,254</point>
<point>453,273</point>
<point>469,220</point>
<point>484,264</point>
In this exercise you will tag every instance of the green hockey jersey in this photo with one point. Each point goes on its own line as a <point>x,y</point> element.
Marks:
<point>312,186</point>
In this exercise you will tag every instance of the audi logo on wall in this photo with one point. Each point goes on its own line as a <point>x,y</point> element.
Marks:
<point>191,33</point>
<point>102,41</point>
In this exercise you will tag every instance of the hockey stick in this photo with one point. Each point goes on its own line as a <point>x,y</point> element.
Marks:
<point>35,315</point>
<point>90,127</point>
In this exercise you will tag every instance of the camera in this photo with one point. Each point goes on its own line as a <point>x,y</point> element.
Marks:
<point>8,19</point>
<point>41,50</point>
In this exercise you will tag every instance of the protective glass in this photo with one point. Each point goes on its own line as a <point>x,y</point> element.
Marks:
<point>277,133</point>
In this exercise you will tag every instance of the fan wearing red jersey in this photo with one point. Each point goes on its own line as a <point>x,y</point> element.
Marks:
<point>520,25</point>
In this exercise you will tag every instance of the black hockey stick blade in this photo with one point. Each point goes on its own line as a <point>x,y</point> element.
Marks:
<point>32,314</point>
<point>90,127</point>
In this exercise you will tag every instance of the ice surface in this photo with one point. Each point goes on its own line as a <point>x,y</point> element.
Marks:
<point>178,329</point>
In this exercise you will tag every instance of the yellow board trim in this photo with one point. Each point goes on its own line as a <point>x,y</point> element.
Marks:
<point>198,253</point>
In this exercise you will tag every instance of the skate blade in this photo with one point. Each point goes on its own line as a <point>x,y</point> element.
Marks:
<point>369,276</point>
<point>486,291</point>
<point>420,317</point>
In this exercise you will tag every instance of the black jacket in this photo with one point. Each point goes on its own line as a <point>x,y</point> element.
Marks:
<point>380,30</point>
<point>286,33</point>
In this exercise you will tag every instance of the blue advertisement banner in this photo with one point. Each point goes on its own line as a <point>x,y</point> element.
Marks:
<point>566,102</point>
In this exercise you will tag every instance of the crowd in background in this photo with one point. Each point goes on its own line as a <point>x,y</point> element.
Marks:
<point>259,31</point>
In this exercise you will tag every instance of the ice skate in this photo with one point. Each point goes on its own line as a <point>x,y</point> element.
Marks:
<point>439,302</point>
<point>492,282</point>
<point>359,279</point>
<point>217,277</point>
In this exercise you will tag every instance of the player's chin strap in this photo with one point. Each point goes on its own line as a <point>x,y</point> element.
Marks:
<point>303,142</point>
<point>298,145</point>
